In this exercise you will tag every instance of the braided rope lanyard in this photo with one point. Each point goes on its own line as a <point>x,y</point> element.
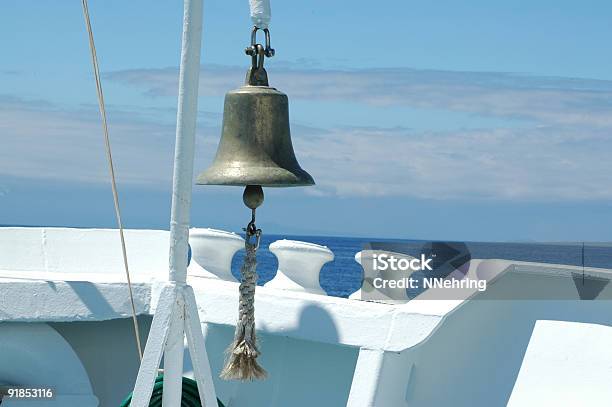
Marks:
<point>243,352</point>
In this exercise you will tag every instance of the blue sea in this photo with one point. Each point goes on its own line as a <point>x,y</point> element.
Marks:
<point>342,276</point>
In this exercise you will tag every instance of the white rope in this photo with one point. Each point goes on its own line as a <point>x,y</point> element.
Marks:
<point>260,13</point>
<point>109,156</point>
<point>241,363</point>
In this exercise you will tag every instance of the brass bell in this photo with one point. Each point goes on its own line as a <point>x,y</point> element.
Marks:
<point>255,151</point>
<point>255,146</point>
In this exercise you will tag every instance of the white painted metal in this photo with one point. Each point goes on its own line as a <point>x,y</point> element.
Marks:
<point>199,358</point>
<point>33,355</point>
<point>212,250</point>
<point>173,354</point>
<point>189,78</point>
<point>181,191</point>
<point>391,327</point>
<point>319,333</point>
<point>154,348</point>
<point>55,297</point>
<point>299,265</point>
<point>381,379</point>
<point>175,314</point>
<point>82,253</point>
<point>367,369</point>
<point>566,364</point>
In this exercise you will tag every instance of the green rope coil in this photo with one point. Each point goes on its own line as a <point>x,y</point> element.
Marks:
<point>190,398</point>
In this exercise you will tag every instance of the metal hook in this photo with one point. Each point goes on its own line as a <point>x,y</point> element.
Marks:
<point>257,75</point>
<point>257,56</point>
<point>269,50</point>
<point>253,49</point>
<point>252,231</point>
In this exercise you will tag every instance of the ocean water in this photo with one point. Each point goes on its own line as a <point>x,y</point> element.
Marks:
<point>342,276</point>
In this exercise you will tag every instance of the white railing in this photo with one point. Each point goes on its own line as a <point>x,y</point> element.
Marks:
<point>212,250</point>
<point>299,263</point>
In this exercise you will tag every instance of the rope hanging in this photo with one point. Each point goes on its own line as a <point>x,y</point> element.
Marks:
<point>111,168</point>
<point>241,363</point>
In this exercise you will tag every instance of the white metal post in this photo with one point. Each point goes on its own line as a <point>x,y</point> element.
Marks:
<point>182,189</point>
<point>189,79</point>
<point>177,308</point>
<point>173,356</point>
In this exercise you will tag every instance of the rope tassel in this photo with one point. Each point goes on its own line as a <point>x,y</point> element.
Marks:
<point>241,363</point>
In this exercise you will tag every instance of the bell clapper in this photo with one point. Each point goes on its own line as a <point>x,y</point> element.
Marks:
<point>253,196</point>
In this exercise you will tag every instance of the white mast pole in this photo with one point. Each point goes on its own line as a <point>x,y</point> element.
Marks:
<point>186,116</point>
<point>176,313</point>
<point>189,78</point>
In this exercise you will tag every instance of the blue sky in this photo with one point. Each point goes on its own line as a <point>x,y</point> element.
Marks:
<point>473,120</point>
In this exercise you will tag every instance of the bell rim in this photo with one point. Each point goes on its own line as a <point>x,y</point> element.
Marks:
<point>264,176</point>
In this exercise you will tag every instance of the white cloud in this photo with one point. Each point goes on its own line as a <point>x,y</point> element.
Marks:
<point>567,101</point>
<point>563,155</point>
<point>540,164</point>
<point>43,142</point>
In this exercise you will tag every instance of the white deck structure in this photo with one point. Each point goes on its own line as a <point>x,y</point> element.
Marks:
<point>67,286</point>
